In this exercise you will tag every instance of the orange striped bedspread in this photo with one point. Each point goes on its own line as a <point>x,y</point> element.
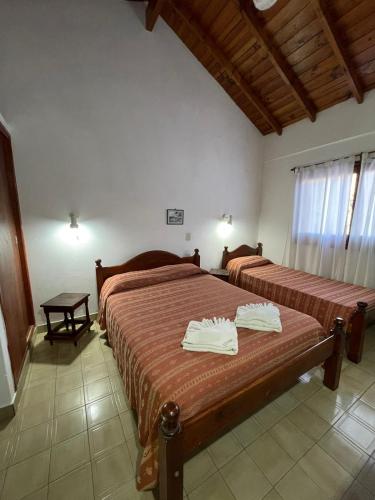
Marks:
<point>321,298</point>
<point>146,326</point>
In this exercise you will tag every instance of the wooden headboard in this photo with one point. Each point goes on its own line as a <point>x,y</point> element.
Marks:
<point>241,251</point>
<point>146,260</point>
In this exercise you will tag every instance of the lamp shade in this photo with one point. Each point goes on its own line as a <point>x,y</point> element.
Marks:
<point>264,4</point>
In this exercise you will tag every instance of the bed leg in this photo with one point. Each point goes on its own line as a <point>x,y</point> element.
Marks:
<point>332,366</point>
<point>170,454</point>
<point>357,333</point>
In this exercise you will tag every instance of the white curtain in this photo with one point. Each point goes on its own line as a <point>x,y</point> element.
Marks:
<point>320,218</point>
<point>360,262</point>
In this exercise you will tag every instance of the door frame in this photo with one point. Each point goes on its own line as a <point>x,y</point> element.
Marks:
<point>15,207</point>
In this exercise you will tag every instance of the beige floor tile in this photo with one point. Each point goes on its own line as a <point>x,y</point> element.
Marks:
<point>269,415</point>
<point>368,365</point>
<point>111,469</point>
<point>291,439</point>
<point>129,425</point>
<point>42,372</point>
<point>38,393</point>
<point>325,407</point>
<point>69,424</point>
<point>26,477</point>
<point>245,479</point>
<point>112,366</point>
<point>135,450</point>
<point>343,451</point>
<point>369,396</point>
<point>2,479</point>
<point>197,470</point>
<point>287,402</point>
<point>67,383</point>
<point>129,491</point>
<point>101,410</point>
<point>340,397</point>
<point>355,380</point>
<point>309,422</point>
<point>105,436</point>
<point>69,455</point>
<point>69,401</point>
<point>272,460</point>
<point>248,431</point>
<point>94,373</point>
<point>297,485</point>
<point>75,485</point>
<point>116,383</point>
<point>6,451</point>
<point>364,413</point>
<point>367,476</point>
<point>121,401</point>
<point>214,488</point>
<point>305,388</point>
<point>92,359</point>
<point>272,495</point>
<point>36,414</point>
<point>38,495</point>
<point>358,433</point>
<point>224,449</point>
<point>357,492</point>
<point>32,441</point>
<point>326,472</point>
<point>69,366</point>
<point>9,427</point>
<point>97,390</point>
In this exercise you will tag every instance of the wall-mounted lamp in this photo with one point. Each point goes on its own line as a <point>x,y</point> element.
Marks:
<point>227,218</point>
<point>74,225</point>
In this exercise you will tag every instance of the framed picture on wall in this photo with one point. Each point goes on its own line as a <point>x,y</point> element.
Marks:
<point>175,217</point>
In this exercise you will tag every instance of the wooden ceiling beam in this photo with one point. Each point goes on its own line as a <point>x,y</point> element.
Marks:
<point>249,15</point>
<point>187,17</point>
<point>153,11</point>
<point>337,46</point>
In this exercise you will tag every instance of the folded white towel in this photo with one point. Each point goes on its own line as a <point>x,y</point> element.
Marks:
<point>264,317</point>
<point>217,335</point>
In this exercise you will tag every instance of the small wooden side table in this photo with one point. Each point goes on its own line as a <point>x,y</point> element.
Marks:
<point>67,303</point>
<point>222,274</point>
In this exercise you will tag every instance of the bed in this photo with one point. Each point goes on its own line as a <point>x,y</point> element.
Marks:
<point>322,298</point>
<point>183,400</point>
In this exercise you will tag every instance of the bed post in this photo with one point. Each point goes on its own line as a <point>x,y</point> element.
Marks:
<point>356,330</point>
<point>196,257</point>
<point>332,366</point>
<point>99,276</point>
<point>260,248</point>
<point>170,454</point>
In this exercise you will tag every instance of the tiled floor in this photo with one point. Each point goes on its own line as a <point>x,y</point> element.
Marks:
<point>74,436</point>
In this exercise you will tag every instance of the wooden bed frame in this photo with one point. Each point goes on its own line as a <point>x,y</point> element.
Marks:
<point>178,442</point>
<point>355,328</point>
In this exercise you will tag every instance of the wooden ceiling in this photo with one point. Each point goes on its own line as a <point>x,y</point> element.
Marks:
<point>283,64</point>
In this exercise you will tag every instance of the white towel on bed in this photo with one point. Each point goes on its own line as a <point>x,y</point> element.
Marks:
<point>264,317</point>
<point>217,335</point>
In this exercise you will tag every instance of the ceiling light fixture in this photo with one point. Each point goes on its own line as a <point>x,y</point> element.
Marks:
<point>264,4</point>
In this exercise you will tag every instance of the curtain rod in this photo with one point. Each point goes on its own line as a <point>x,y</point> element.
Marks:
<point>357,156</point>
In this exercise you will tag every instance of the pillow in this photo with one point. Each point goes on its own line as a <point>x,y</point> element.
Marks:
<point>235,266</point>
<point>141,279</point>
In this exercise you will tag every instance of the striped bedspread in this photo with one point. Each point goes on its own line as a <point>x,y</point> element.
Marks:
<point>145,327</point>
<point>322,298</point>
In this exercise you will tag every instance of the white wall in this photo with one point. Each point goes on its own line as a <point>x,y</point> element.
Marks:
<point>6,378</point>
<point>118,124</point>
<point>342,130</point>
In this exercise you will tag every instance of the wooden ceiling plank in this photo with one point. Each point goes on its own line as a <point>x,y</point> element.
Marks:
<point>278,60</point>
<point>229,68</point>
<point>153,11</point>
<point>333,37</point>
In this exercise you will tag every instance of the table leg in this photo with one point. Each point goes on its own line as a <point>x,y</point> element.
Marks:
<point>49,328</point>
<point>87,311</point>
<point>73,326</point>
<point>66,321</point>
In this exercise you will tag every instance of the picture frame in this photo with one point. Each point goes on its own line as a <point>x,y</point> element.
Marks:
<point>175,217</point>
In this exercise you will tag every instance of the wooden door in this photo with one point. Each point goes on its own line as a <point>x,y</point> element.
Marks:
<point>15,294</point>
